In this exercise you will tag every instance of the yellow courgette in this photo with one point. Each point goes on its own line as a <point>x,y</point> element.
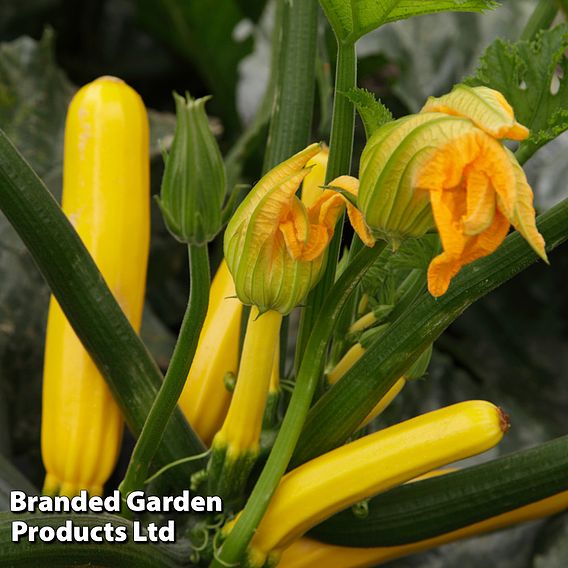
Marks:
<point>106,198</point>
<point>323,486</point>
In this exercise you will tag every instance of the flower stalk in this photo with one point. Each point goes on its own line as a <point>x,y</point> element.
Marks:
<point>169,393</point>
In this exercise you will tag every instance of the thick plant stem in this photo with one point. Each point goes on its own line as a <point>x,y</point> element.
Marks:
<point>306,382</point>
<point>89,305</point>
<point>292,106</point>
<point>169,393</point>
<point>339,163</point>
<point>541,18</point>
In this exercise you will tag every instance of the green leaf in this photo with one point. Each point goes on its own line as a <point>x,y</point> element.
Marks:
<point>532,75</point>
<point>373,112</point>
<point>352,19</point>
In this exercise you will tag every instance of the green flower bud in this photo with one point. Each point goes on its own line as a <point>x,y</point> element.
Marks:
<point>194,185</point>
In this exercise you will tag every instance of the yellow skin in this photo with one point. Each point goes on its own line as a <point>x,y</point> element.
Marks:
<point>241,429</point>
<point>447,167</point>
<point>347,361</point>
<point>204,399</point>
<point>372,464</point>
<point>307,553</point>
<point>106,198</point>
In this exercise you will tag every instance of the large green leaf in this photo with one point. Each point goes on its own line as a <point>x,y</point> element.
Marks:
<point>532,75</point>
<point>428,55</point>
<point>352,19</point>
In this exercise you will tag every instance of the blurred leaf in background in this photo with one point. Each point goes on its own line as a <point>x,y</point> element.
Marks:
<point>427,55</point>
<point>204,33</point>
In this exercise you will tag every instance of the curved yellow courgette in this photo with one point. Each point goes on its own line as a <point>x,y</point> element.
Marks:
<point>106,198</point>
<point>375,463</point>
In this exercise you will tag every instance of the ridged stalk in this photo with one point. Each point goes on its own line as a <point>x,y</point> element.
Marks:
<point>306,552</point>
<point>432,507</point>
<point>152,434</point>
<point>339,163</point>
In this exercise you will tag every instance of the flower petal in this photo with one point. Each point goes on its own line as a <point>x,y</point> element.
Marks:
<point>351,185</point>
<point>524,216</point>
<point>480,203</point>
<point>486,108</point>
<point>311,189</point>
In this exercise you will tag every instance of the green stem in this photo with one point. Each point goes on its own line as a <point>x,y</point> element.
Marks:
<point>292,107</point>
<point>255,131</point>
<point>337,414</point>
<point>541,18</point>
<point>153,431</point>
<point>429,508</point>
<point>89,305</point>
<point>306,382</point>
<point>339,163</point>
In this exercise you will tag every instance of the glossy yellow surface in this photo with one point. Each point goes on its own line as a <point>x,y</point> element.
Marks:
<point>204,399</point>
<point>106,198</point>
<point>372,464</point>
<point>241,429</point>
<point>308,553</point>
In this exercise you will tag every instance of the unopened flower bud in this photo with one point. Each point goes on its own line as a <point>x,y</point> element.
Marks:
<point>194,185</point>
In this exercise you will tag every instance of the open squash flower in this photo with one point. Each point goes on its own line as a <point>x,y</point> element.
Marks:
<point>447,166</point>
<point>275,246</point>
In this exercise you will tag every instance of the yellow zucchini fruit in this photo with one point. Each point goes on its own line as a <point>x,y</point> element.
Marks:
<point>307,552</point>
<point>106,197</point>
<point>205,399</point>
<point>370,465</point>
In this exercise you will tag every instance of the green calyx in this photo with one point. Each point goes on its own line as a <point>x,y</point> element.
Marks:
<point>194,182</point>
